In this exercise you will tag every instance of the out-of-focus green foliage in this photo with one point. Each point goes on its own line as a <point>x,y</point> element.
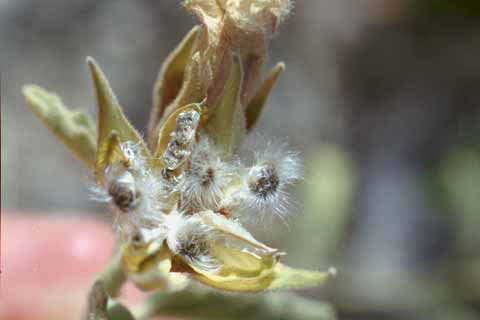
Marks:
<point>328,199</point>
<point>460,177</point>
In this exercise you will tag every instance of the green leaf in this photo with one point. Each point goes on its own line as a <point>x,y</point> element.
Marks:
<point>256,105</point>
<point>73,127</point>
<point>110,119</point>
<point>170,80</point>
<point>227,123</point>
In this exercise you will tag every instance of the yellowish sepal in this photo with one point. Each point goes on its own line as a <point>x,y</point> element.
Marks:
<point>149,267</point>
<point>278,277</point>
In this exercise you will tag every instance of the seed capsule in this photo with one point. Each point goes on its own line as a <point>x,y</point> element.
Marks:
<point>122,190</point>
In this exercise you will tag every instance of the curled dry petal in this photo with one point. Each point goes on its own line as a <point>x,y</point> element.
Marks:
<point>235,26</point>
<point>245,16</point>
<point>255,15</point>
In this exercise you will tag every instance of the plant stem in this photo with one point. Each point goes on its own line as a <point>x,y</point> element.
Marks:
<point>196,304</point>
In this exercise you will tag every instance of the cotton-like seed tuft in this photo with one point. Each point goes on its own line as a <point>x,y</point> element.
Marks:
<point>191,239</point>
<point>266,183</point>
<point>206,177</point>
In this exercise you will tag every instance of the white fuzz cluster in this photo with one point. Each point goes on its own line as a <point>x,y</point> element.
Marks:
<point>206,177</point>
<point>197,193</point>
<point>191,239</point>
<point>133,191</point>
<point>266,183</point>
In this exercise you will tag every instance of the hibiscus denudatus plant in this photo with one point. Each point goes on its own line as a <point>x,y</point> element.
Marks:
<point>180,200</point>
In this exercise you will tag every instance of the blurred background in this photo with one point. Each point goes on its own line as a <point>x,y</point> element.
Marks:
<point>382,97</point>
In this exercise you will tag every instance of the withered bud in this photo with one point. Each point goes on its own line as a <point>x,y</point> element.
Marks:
<point>255,15</point>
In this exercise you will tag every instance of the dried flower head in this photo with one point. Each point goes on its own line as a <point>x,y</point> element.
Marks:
<point>178,202</point>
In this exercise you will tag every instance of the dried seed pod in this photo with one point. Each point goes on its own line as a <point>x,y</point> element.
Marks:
<point>179,147</point>
<point>175,155</point>
<point>187,123</point>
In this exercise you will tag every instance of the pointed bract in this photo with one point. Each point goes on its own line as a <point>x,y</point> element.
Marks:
<point>256,105</point>
<point>110,117</point>
<point>227,123</point>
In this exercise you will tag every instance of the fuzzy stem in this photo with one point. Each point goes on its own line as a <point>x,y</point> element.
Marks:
<point>114,277</point>
<point>97,302</point>
<point>108,285</point>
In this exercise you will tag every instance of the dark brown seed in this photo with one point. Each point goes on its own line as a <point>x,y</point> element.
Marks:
<point>266,182</point>
<point>123,195</point>
<point>208,177</point>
